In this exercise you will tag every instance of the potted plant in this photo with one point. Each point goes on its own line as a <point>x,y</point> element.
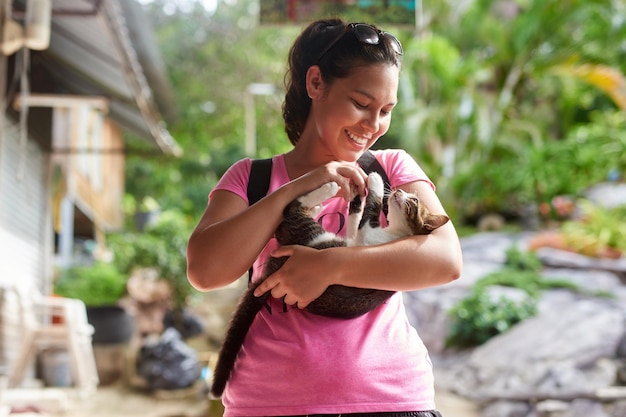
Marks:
<point>100,286</point>
<point>160,246</point>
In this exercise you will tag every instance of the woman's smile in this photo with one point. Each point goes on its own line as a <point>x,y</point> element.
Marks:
<point>359,140</point>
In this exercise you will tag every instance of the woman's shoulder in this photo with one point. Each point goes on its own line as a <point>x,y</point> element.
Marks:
<point>400,166</point>
<point>237,176</point>
<point>235,179</point>
<point>391,154</point>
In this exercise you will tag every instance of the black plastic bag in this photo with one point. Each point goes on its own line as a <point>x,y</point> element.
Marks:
<point>168,363</point>
<point>185,322</point>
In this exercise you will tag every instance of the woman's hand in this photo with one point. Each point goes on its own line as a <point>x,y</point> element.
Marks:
<point>347,175</point>
<point>302,278</point>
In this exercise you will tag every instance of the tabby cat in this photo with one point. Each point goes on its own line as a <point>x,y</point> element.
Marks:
<point>406,217</point>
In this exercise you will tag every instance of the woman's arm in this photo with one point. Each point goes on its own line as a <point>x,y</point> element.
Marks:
<point>402,265</point>
<point>230,235</point>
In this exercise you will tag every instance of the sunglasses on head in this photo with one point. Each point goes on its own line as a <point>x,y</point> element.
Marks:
<point>365,34</point>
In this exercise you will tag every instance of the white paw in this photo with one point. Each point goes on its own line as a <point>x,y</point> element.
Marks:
<point>320,195</point>
<point>315,211</point>
<point>375,184</point>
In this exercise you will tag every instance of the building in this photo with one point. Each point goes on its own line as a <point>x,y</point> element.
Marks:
<point>77,75</point>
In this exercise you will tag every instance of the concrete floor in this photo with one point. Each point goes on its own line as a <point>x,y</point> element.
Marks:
<point>119,400</point>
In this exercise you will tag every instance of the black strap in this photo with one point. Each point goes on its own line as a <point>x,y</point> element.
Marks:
<point>261,173</point>
<point>258,186</point>
<point>259,180</point>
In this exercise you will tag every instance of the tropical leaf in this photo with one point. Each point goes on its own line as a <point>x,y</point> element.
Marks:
<point>607,79</point>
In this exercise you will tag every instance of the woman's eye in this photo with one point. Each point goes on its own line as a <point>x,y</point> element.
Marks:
<point>360,105</point>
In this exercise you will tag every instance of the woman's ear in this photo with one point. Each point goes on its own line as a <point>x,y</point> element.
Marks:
<point>314,82</point>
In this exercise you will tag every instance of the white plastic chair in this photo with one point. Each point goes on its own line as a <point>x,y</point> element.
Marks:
<point>69,330</point>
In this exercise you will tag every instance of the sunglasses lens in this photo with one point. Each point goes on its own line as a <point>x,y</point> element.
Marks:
<point>366,34</point>
<point>395,43</point>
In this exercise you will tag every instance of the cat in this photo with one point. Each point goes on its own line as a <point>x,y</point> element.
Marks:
<point>406,217</point>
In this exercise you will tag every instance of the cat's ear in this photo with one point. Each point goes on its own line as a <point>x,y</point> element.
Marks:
<point>434,221</point>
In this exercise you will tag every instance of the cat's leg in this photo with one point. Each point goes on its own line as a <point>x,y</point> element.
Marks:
<point>375,185</point>
<point>374,201</point>
<point>318,196</point>
<point>355,212</point>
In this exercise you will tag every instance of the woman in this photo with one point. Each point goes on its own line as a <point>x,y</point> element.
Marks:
<point>342,85</point>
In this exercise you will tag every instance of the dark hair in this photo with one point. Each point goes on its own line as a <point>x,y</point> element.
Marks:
<point>337,62</point>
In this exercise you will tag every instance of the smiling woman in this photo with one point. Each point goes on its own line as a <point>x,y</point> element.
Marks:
<point>342,86</point>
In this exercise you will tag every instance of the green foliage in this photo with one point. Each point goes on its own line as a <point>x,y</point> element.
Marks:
<point>523,175</point>
<point>529,281</point>
<point>519,260</point>
<point>211,59</point>
<point>97,285</point>
<point>481,106</point>
<point>487,116</point>
<point>479,316</point>
<point>161,246</point>
<point>599,232</point>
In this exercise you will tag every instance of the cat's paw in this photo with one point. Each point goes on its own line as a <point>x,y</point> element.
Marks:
<point>318,196</point>
<point>375,184</point>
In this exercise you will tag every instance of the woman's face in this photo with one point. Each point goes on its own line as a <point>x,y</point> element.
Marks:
<point>350,114</point>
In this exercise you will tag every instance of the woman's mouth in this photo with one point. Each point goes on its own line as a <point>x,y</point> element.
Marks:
<point>361,141</point>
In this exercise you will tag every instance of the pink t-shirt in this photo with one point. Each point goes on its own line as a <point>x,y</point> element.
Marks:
<point>297,363</point>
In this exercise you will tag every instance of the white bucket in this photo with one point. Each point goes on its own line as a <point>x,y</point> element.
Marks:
<point>55,368</point>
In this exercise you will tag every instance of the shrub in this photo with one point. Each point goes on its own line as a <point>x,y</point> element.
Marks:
<point>600,232</point>
<point>97,285</point>
<point>478,317</point>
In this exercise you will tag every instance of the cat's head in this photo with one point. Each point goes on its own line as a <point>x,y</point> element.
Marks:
<point>406,212</point>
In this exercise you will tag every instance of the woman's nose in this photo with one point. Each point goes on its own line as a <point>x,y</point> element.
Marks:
<point>371,122</point>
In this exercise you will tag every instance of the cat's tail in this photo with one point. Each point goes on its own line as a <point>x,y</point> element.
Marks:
<point>240,323</point>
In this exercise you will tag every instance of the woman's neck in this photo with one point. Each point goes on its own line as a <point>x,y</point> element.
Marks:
<point>298,162</point>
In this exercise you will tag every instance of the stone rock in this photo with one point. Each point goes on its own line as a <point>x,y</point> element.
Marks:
<point>565,259</point>
<point>617,408</point>
<point>557,352</point>
<point>550,407</point>
<point>607,194</point>
<point>428,309</point>
<point>552,365</point>
<point>585,408</point>
<point>506,409</point>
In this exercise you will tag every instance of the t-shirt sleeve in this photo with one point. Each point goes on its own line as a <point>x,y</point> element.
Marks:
<point>401,168</point>
<point>235,179</point>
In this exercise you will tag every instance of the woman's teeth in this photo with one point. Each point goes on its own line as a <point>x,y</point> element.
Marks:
<point>357,139</point>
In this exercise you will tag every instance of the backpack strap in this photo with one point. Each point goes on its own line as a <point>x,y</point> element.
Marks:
<point>261,171</point>
<point>259,180</point>
<point>258,186</point>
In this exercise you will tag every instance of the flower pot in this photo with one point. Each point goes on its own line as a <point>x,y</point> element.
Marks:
<point>112,324</point>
